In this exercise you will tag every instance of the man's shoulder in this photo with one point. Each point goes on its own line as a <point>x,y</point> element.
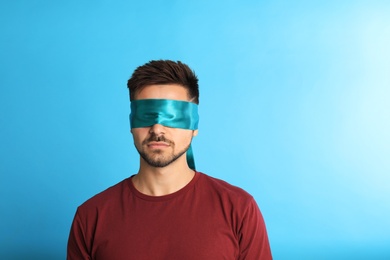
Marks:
<point>107,196</point>
<point>224,188</point>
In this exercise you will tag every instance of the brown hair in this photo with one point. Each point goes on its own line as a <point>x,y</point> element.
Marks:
<point>164,72</point>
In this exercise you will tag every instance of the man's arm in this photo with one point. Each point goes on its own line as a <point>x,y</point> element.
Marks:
<point>77,246</point>
<point>253,238</point>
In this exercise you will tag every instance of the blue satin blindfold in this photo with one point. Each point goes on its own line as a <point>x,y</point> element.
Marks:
<point>166,112</point>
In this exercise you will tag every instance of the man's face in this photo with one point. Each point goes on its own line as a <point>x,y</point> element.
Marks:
<point>158,145</point>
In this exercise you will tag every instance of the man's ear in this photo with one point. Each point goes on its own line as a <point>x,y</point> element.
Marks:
<point>195,133</point>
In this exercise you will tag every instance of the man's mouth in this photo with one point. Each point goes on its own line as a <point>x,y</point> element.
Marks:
<point>157,145</point>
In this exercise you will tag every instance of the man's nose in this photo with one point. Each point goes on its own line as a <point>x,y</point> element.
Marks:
<point>157,129</point>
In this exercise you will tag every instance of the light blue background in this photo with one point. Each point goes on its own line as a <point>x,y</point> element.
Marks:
<point>294,108</point>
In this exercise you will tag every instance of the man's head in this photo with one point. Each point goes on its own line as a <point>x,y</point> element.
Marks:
<point>164,72</point>
<point>164,115</point>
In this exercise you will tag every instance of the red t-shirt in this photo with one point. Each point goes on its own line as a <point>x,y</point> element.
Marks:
<point>207,219</point>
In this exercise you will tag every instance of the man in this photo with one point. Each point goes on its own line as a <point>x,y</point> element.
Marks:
<point>168,210</point>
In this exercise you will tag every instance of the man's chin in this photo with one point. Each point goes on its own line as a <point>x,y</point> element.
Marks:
<point>155,160</point>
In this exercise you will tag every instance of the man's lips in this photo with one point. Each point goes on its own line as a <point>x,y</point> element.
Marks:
<point>157,144</point>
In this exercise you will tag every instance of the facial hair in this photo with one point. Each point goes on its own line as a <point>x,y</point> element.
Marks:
<point>156,158</point>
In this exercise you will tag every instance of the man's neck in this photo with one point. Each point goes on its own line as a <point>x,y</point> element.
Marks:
<point>159,181</point>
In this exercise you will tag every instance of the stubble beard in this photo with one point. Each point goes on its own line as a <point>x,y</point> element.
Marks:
<point>157,158</point>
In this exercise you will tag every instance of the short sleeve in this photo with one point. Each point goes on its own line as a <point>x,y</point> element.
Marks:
<point>77,242</point>
<point>253,238</point>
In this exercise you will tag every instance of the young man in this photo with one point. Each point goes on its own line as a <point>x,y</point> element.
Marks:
<point>168,210</point>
